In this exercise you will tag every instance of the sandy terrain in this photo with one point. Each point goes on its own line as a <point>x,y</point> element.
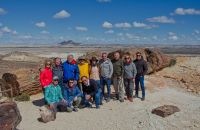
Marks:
<point>122,116</point>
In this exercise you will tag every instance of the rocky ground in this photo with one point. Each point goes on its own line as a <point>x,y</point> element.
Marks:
<point>177,85</point>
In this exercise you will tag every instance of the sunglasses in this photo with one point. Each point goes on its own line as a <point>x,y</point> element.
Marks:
<point>127,58</point>
<point>71,82</point>
<point>138,55</point>
<point>55,80</point>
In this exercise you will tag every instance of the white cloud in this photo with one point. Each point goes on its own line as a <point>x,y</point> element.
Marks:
<point>2,11</point>
<point>25,37</point>
<point>139,25</point>
<point>109,32</point>
<point>155,37</point>
<point>44,32</point>
<point>120,34</point>
<point>161,19</point>
<point>190,11</point>
<point>107,25</point>
<point>82,29</point>
<point>196,31</point>
<point>172,36</point>
<point>6,30</point>
<point>104,1</point>
<point>14,32</point>
<point>62,14</point>
<point>40,24</point>
<point>123,25</point>
<point>1,24</point>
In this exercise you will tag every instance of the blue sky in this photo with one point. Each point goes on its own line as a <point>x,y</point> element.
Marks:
<point>100,21</point>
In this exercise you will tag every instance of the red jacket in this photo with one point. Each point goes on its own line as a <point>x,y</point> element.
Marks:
<point>46,77</point>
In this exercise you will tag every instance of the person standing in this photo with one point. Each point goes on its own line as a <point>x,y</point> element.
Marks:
<point>70,70</point>
<point>130,72</point>
<point>58,71</point>
<point>118,70</point>
<point>106,71</point>
<point>83,66</point>
<point>46,75</point>
<point>141,66</point>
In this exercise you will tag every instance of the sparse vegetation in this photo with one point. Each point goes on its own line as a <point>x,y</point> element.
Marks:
<point>172,62</point>
<point>23,97</point>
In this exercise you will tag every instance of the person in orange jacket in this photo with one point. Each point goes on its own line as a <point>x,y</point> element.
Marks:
<point>46,75</point>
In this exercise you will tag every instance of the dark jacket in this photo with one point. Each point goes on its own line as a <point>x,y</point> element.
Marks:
<point>70,93</point>
<point>58,71</point>
<point>91,89</point>
<point>118,67</point>
<point>70,71</point>
<point>141,66</point>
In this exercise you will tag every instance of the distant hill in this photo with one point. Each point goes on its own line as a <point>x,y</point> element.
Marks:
<point>69,43</point>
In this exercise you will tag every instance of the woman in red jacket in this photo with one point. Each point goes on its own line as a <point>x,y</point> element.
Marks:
<point>46,75</point>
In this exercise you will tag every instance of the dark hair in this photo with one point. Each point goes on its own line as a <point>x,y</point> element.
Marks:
<point>84,77</point>
<point>70,80</point>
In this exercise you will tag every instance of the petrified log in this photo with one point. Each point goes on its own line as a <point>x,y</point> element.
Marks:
<point>12,80</point>
<point>165,110</point>
<point>9,116</point>
<point>46,115</point>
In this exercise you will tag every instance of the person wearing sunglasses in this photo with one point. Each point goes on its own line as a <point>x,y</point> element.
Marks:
<point>83,66</point>
<point>91,92</point>
<point>53,95</point>
<point>46,75</point>
<point>130,72</point>
<point>141,66</point>
<point>72,95</point>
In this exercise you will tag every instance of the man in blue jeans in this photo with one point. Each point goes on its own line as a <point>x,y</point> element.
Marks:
<point>106,71</point>
<point>91,92</point>
<point>141,66</point>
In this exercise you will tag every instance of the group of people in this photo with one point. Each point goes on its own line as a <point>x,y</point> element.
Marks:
<point>81,83</point>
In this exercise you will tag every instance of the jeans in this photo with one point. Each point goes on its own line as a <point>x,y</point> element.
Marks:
<point>139,80</point>
<point>107,82</point>
<point>75,104</point>
<point>129,85</point>
<point>96,97</point>
<point>119,87</point>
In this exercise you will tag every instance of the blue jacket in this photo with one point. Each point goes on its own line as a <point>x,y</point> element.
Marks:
<point>70,71</point>
<point>70,93</point>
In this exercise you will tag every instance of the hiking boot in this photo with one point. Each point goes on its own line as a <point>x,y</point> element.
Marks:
<point>130,99</point>
<point>117,96</point>
<point>136,96</point>
<point>75,109</point>
<point>108,100</point>
<point>121,100</point>
<point>97,107</point>
<point>143,98</point>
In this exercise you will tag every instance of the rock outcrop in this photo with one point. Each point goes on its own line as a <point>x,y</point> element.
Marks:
<point>10,116</point>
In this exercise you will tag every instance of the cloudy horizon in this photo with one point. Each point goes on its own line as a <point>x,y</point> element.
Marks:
<point>100,21</point>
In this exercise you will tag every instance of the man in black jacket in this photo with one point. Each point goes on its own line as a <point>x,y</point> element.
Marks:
<point>90,91</point>
<point>141,66</point>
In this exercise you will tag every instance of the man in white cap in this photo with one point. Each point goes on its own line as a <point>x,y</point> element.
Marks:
<point>53,95</point>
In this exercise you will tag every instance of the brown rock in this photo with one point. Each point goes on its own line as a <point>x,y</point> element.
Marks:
<point>165,110</point>
<point>9,116</point>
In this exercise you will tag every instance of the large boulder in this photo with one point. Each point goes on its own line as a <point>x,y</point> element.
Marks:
<point>10,116</point>
<point>156,60</point>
